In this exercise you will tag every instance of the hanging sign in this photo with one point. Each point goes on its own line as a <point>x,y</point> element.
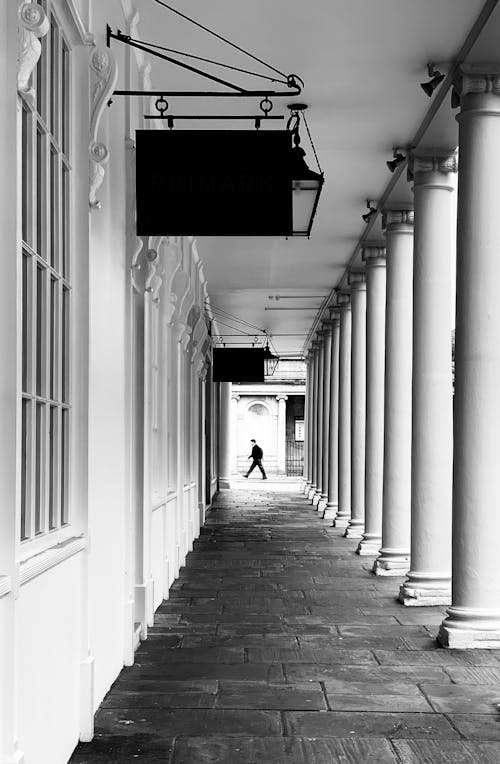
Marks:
<point>238,365</point>
<point>214,182</point>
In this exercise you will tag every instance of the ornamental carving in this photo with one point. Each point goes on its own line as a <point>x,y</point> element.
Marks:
<point>103,75</point>
<point>434,161</point>
<point>33,25</point>
<point>479,79</point>
<point>374,254</point>
<point>394,218</point>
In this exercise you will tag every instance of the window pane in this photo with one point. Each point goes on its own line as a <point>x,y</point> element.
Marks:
<point>26,317</point>
<point>54,315</point>
<point>65,223</point>
<point>26,179</point>
<point>40,333</point>
<point>54,79</point>
<point>24,470</point>
<point>65,98</point>
<point>53,493</point>
<point>40,193</point>
<point>40,78</point>
<point>39,440</point>
<point>64,465</point>
<point>53,203</point>
<point>65,345</point>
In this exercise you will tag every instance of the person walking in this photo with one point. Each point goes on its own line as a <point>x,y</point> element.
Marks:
<point>256,455</point>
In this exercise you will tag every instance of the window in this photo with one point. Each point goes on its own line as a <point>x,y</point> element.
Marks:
<point>46,291</point>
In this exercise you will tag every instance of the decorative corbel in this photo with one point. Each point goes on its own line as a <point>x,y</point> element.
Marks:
<point>33,24</point>
<point>103,80</point>
<point>137,266</point>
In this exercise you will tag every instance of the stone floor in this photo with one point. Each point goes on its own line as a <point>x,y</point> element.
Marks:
<point>279,645</point>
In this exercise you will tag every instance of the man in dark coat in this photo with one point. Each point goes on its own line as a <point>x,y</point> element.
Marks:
<point>256,455</point>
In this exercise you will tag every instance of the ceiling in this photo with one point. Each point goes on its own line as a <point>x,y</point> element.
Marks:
<point>362,64</point>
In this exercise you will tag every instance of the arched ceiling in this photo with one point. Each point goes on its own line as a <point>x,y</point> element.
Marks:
<point>362,64</point>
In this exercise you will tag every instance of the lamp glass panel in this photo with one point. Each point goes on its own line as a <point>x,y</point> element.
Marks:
<point>304,198</point>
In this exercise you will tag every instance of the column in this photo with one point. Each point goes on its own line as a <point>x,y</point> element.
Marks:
<point>429,578</point>
<point>344,442</point>
<point>225,435</point>
<point>325,418</point>
<point>374,258</point>
<point>314,404</point>
<point>281,450</point>
<point>474,616</point>
<point>333,427</point>
<point>319,421</point>
<point>307,401</point>
<point>394,558</point>
<point>356,524</point>
<point>233,450</point>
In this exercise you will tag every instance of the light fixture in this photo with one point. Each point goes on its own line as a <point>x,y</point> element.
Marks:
<point>371,211</point>
<point>270,361</point>
<point>436,79</point>
<point>306,184</point>
<point>392,164</point>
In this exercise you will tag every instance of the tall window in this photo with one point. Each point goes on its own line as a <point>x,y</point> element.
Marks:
<point>46,290</point>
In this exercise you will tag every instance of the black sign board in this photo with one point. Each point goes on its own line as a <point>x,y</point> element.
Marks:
<point>214,182</point>
<point>238,365</point>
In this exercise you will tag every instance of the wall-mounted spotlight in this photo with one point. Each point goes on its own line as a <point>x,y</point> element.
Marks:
<point>371,211</point>
<point>398,158</point>
<point>436,79</point>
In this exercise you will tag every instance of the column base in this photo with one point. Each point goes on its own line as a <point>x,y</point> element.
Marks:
<point>341,521</point>
<point>330,511</point>
<point>425,589</point>
<point>311,492</point>
<point>392,563</point>
<point>322,505</point>
<point>354,531</point>
<point>470,628</point>
<point>224,483</point>
<point>306,488</point>
<point>315,499</point>
<point>369,545</point>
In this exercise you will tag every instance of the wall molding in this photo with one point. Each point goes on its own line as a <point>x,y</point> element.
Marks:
<point>86,37</point>
<point>50,558</point>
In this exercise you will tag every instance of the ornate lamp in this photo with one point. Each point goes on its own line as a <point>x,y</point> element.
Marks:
<point>306,184</point>
<point>270,361</point>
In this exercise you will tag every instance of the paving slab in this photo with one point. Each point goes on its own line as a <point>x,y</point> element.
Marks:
<point>287,750</point>
<point>277,644</point>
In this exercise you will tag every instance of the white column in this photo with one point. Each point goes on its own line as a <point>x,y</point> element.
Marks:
<point>374,257</point>
<point>344,442</point>
<point>307,401</point>
<point>429,578</point>
<point>314,405</point>
<point>233,449</point>
<point>474,617</point>
<point>325,419</point>
<point>319,421</point>
<point>225,435</point>
<point>333,428</point>
<point>281,450</point>
<point>356,524</point>
<point>394,559</point>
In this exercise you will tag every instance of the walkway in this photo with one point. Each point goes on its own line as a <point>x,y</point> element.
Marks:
<point>278,646</point>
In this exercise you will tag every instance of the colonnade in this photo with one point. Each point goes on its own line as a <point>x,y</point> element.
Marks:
<point>390,457</point>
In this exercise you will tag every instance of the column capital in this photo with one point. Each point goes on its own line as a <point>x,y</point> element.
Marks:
<point>235,396</point>
<point>327,325</point>
<point>480,78</point>
<point>399,219</point>
<point>344,300</point>
<point>282,397</point>
<point>357,280</point>
<point>373,254</point>
<point>334,311</point>
<point>433,160</point>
